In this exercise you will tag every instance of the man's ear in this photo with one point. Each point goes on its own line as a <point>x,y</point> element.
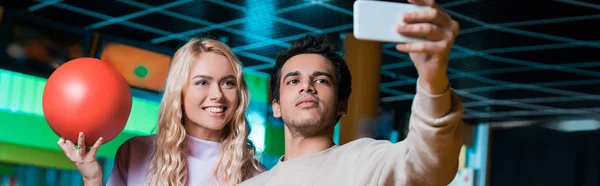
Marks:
<point>276,109</point>
<point>342,107</point>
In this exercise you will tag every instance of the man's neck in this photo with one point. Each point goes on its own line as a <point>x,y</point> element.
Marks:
<point>301,146</point>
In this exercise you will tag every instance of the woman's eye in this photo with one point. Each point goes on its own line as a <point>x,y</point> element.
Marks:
<point>229,83</point>
<point>201,82</point>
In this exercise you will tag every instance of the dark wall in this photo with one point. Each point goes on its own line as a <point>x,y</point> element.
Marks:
<point>536,156</point>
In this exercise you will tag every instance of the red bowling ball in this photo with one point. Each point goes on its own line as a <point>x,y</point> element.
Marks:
<point>87,95</point>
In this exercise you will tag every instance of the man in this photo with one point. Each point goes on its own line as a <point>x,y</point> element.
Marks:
<point>311,87</point>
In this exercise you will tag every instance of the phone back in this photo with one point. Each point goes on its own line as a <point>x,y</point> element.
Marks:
<point>377,20</point>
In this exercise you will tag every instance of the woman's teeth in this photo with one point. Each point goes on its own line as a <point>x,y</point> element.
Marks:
<point>215,110</point>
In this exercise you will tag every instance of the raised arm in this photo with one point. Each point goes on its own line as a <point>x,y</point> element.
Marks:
<point>436,127</point>
<point>434,139</point>
<point>427,157</point>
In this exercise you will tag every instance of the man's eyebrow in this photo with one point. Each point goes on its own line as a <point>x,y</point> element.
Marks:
<point>290,74</point>
<point>321,73</point>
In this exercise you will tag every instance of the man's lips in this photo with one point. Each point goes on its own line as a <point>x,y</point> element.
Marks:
<point>308,101</point>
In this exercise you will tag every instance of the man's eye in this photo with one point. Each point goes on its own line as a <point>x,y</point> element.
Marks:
<point>322,81</point>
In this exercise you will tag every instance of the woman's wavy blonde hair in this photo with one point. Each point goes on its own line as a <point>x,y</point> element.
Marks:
<point>169,164</point>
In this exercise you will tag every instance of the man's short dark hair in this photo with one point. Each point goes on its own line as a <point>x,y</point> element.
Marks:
<point>314,44</point>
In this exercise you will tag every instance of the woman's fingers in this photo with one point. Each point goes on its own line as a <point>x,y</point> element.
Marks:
<point>62,144</point>
<point>81,148</point>
<point>92,153</point>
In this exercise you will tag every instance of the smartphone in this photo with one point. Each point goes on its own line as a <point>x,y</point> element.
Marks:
<point>377,20</point>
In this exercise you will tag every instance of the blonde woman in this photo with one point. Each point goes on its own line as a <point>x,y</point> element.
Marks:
<point>202,129</point>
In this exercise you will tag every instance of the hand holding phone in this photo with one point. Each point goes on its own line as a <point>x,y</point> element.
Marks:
<point>421,29</point>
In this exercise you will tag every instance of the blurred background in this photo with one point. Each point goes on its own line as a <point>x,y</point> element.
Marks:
<point>527,73</point>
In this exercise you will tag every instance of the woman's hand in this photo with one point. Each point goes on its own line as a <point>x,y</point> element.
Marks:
<point>84,159</point>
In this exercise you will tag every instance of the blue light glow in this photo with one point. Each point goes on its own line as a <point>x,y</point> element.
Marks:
<point>256,121</point>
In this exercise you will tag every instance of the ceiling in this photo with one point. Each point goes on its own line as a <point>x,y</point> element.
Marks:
<point>513,60</point>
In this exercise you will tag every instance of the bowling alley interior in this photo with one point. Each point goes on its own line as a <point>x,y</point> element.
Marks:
<point>527,74</point>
